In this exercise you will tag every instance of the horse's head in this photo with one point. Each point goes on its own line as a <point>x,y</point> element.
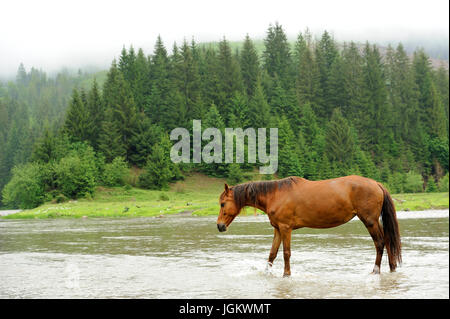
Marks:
<point>228,209</point>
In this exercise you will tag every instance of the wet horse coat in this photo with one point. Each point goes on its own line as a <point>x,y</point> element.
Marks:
<point>295,202</point>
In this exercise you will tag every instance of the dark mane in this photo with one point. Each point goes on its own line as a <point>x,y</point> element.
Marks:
<point>248,192</point>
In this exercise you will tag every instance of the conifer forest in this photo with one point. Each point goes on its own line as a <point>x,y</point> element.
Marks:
<point>341,108</point>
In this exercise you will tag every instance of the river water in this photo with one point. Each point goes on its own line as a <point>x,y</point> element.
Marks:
<point>186,257</point>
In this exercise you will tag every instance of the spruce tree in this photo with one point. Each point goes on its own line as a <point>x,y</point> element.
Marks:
<point>277,59</point>
<point>214,119</point>
<point>326,55</point>
<point>375,118</point>
<point>340,145</point>
<point>424,82</point>
<point>442,86</point>
<point>402,93</point>
<point>111,140</point>
<point>234,174</point>
<point>229,76</point>
<point>209,72</point>
<point>95,111</point>
<point>352,81</point>
<point>288,152</point>
<point>308,77</point>
<point>120,109</point>
<point>144,137</point>
<point>141,84</point>
<point>249,66</point>
<point>190,81</point>
<point>259,109</point>
<point>308,124</point>
<point>161,87</point>
<point>79,124</point>
<point>437,117</point>
<point>159,170</point>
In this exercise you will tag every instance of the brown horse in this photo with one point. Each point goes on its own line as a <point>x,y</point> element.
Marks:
<point>295,202</point>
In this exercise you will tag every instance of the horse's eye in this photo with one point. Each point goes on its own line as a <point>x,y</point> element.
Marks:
<point>223,204</point>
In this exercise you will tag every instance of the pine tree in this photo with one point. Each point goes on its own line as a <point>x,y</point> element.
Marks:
<point>111,140</point>
<point>325,168</point>
<point>190,81</point>
<point>156,173</point>
<point>259,109</point>
<point>308,77</point>
<point>120,106</point>
<point>21,76</point>
<point>130,72</point>
<point>142,84</point>
<point>375,118</point>
<point>352,81</point>
<point>285,102</point>
<point>214,119</point>
<point>326,55</point>
<point>249,66</point>
<point>402,93</point>
<point>423,78</point>
<point>277,55</point>
<point>437,116</point>
<point>78,125</point>
<point>50,147</point>
<point>340,145</point>
<point>234,174</point>
<point>94,108</point>
<point>431,185</point>
<point>336,84</point>
<point>431,117</point>
<point>240,109</point>
<point>442,86</point>
<point>229,76</point>
<point>288,153</point>
<point>365,164</point>
<point>144,137</point>
<point>159,170</point>
<point>211,91</point>
<point>158,105</point>
<point>308,124</point>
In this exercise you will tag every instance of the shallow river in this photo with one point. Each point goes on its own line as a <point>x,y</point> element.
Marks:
<point>186,257</point>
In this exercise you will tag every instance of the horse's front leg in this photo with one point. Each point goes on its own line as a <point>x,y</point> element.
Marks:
<point>286,238</point>
<point>275,245</point>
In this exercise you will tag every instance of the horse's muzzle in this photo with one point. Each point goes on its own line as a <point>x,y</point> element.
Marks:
<point>221,227</point>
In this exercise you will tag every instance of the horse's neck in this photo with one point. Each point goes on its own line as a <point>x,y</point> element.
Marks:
<point>260,203</point>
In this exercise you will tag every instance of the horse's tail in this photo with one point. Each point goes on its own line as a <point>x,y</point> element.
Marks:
<point>391,230</point>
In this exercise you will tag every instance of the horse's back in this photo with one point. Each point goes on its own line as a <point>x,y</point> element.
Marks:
<point>332,202</point>
<point>364,194</point>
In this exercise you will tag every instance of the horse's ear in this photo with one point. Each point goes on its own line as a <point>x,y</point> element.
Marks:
<point>226,188</point>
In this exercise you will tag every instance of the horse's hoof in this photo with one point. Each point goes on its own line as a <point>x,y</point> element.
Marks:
<point>376,270</point>
<point>286,275</point>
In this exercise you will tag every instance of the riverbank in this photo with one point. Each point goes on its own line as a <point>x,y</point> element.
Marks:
<point>197,195</point>
<point>9,212</point>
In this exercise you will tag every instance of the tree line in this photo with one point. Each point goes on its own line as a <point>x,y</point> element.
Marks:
<point>340,109</point>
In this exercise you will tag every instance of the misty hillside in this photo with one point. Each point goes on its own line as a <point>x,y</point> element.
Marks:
<point>438,52</point>
<point>340,109</point>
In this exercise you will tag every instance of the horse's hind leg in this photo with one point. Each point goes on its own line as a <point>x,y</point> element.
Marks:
<point>376,232</point>
<point>275,245</point>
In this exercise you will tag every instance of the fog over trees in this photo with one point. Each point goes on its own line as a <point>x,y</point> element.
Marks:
<point>341,108</point>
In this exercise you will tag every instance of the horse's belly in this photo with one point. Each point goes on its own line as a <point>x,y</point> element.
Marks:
<point>323,219</point>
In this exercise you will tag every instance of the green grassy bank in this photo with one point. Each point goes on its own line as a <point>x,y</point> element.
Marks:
<point>196,195</point>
